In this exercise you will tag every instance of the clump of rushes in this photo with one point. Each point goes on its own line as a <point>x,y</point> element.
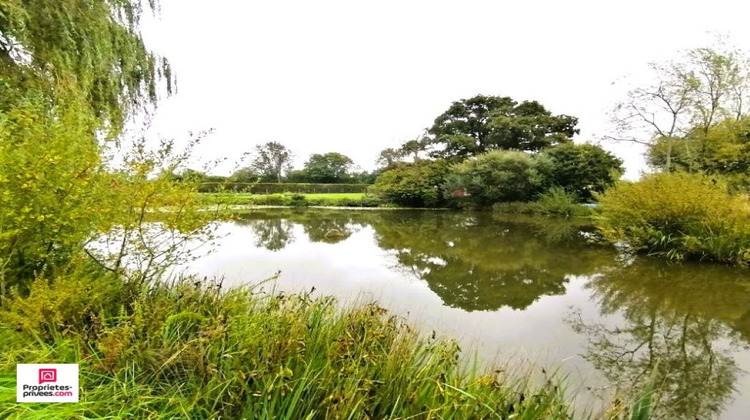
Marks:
<point>678,215</point>
<point>188,351</point>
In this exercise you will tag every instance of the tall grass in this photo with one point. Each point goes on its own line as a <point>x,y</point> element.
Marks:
<point>680,216</point>
<point>188,351</point>
<point>553,202</point>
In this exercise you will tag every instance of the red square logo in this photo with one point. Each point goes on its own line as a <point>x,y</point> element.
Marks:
<point>47,375</point>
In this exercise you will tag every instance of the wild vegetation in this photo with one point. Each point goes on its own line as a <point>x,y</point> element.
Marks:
<point>294,200</point>
<point>85,242</point>
<point>678,215</point>
<point>181,350</point>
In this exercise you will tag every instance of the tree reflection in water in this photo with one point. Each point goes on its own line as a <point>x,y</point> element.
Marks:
<point>678,316</point>
<point>273,234</point>
<point>484,263</point>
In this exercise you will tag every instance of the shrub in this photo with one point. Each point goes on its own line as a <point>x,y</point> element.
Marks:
<point>581,169</point>
<point>556,201</point>
<point>497,176</point>
<point>680,215</point>
<point>516,207</point>
<point>413,184</point>
<point>298,200</point>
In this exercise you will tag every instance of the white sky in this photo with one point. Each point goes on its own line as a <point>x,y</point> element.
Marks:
<point>356,77</point>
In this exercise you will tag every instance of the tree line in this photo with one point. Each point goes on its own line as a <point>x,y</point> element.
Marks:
<point>272,162</point>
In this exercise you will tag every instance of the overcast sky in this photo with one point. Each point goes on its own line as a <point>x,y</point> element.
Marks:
<point>356,77</point>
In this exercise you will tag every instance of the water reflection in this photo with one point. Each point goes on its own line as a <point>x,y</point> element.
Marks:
<point>675,319</point>
<point>481,263</point>
<point>694,320</point>
<point>476,263</point>
<point>273,234</point>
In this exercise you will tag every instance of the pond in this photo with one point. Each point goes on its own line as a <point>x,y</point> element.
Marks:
<point>517,289</point>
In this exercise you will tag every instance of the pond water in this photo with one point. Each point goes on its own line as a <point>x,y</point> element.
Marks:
<point>517,289</point>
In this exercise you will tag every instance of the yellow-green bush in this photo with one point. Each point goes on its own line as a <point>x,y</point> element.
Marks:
<point>680,215</point>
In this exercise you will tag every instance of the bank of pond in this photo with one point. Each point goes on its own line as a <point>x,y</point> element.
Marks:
<point>478,315</point>
<point>534,288</point>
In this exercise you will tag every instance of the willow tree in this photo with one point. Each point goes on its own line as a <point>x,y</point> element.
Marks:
<point>71,73</point>
<point>91,50</point>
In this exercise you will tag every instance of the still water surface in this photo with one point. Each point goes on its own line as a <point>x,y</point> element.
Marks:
<point>513,288</point>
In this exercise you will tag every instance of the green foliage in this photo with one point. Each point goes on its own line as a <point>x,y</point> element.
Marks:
<point>274,188</point>
<point>558,202</point>
<point>680,215</point>
<point>723,149</point>
<point>497,176</point>
<point>581,169</point>
<point>244,175</point>
<point>326,168</point>
<point>167,351</point>
<point>272,160</point>
<point>483,123</point>
<point>389,157</point>
<point>88,50</point>
<point>415,184</point>
<point>50,194</point>
<point>689,97</point>
<point>295,200</point>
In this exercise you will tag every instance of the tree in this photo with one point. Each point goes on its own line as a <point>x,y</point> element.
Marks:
<point>388,157</point>
<point>91,51</point>
<point>579,168</point>
<point>272,160</point>
<point>71,72</point>
<point>723,150</point>
<point>413,184</point>
<point>483,123</point>
<point>246,174</point>
<point>328,168</point>
<point>496,176</point>
<point>414,147</point>
<point>686,97</point>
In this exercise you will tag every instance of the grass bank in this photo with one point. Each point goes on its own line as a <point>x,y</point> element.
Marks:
<point>188,351</point>
<point>293,199</point>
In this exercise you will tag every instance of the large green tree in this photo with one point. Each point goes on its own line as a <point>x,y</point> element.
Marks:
<point>330,167</point>
<point>581,169</point>
<point>483,123</point>
<point>272,159</point>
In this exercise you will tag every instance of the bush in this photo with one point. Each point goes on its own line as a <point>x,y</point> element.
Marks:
<point>581,169</point>
<point>413,184</point>
<point>516,207</point>
<point>497,176</point>
<point>680,215</point>
<point>558,202</point>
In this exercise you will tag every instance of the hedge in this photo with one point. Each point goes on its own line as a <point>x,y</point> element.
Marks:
<point>273,188</point>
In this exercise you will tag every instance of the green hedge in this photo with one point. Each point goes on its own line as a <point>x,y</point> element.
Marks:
<point>274,188</point>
